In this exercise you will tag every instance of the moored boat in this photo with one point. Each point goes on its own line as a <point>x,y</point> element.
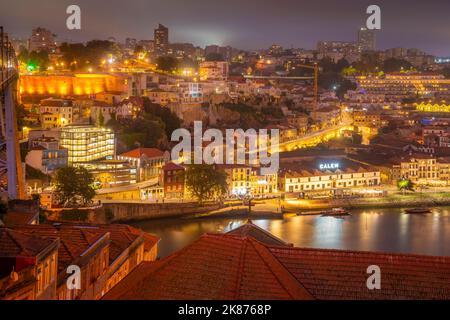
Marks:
<point>417,211</point>
<point>336,212</point>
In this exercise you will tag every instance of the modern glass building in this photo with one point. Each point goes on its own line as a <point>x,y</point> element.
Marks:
<point>87,143</point>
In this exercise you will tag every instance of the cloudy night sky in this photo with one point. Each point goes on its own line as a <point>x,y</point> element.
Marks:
<point>246,24</point>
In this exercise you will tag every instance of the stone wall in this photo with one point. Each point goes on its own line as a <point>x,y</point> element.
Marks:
<point>121,212</point>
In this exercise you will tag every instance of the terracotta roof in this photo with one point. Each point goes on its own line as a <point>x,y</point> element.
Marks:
<point>252,230</point>
<point>242,268</point>
<point>214,267</point>
<point>122,236</point>
<point>14,243</point>
<point>139,152</point>
<point>73,241</point>
<point>338,274</point>
<point>172,166</point>
<point>13,218</point>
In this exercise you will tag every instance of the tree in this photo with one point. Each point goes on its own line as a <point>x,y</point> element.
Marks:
<point>74,185</point>
<point>396,65</point>
<point>167,63</point>
<point>405,185</point>
<point>205,182</point>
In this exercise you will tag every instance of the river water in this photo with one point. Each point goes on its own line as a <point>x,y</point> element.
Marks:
<point>388,230</point>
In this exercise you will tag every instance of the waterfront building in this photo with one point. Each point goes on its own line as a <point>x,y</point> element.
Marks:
<point>172,180</point>
<point>422,169</point>
<point>262,267</point>
<point>325,176</point>
<point>87,143</point>
<point>148,161</point>
<point>112,173</point>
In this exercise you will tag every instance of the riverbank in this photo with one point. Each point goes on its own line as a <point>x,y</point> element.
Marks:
<point>391,201</point>
<point>268,209</point>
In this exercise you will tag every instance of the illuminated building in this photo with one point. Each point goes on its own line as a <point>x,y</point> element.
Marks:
<point>327,115</point>
<point>57,113</point>
<point>162,97</point>
<point>397,86</point>
<point>161,40</point>
<point>422,170</point>
<point>327,176</point>
<point>366,39</point>
<point>338,50</point>
<point>429,106</point>
<point>173,181</point>
<point>214,70</point>
<point>46,155</point>
<point>111,173</point>
<point>365,118</point>
<point>148,161</point>
<point>42,40</point>
<point>129,108</point>
<point>76,84</point>
<point>245,180</point>
<point>87,143</point>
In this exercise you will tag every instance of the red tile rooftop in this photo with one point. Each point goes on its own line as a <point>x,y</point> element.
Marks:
<point>122,236</point>
<point>241,268</point>
<point>17,218</point>
<point>252,230</point>
<point>73,241</point>
<point>139,152</point>
<point>173,166</point>
<point>214,267</point>
<point>14,243</point>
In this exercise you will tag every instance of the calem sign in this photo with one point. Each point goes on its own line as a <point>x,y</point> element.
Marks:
<point>329,166</point>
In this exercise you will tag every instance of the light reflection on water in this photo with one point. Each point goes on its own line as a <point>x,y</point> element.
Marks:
<point>388,230</point>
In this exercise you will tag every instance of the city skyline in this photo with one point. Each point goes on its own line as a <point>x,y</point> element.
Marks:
<point>298,25</point>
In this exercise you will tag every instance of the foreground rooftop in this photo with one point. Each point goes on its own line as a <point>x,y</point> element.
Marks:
<point>239,267</point>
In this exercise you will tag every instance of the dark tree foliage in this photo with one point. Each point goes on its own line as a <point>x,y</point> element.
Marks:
<point>396,65</point>
<point>167,63</point>
<point>92,53</point>
<point>205,182</point>
<point>74,186</point>
<point>38,59</point>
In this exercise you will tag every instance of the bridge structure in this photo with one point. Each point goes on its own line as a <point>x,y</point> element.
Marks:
<point>11,173</point>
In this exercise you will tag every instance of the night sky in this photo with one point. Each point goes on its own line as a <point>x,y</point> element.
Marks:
<point>246,24</point>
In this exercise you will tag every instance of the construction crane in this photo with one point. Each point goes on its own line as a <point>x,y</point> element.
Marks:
<point>314,67</point>
<point>10,160</point>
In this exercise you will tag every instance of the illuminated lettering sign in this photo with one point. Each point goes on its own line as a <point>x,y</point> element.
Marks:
<point>329,166</point>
